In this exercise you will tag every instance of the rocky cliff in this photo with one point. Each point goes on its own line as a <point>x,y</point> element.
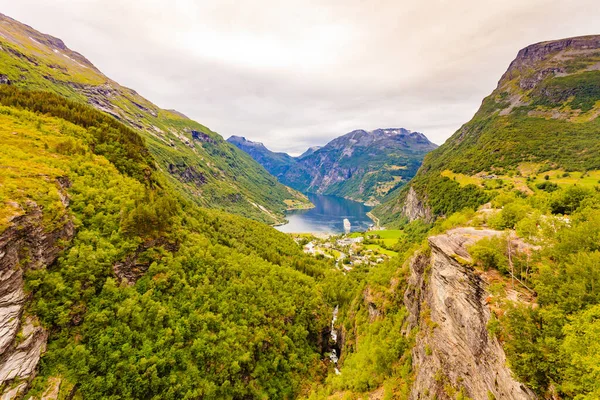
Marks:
<point>415,208</point>
<point>26,244</point>
<point>454,352</point>
<point>536,54</point>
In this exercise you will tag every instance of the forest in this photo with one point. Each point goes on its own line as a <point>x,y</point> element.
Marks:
<point>212,305</point>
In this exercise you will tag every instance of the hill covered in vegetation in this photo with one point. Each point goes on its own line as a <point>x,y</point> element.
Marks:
<point>543,116</point>
<point>198,162</point>
<point>135,290</point>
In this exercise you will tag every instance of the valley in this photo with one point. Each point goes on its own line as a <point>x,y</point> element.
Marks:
<point>142,256</point>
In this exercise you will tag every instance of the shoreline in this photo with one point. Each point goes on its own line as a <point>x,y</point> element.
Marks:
<point>374,219</point>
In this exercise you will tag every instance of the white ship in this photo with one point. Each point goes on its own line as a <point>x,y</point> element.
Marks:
<point>347,225</point>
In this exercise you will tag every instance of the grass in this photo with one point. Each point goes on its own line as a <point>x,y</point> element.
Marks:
<point>588,179</point>
<point>29,163</point>
<point>462,179</point>
<point>390,234</point>
<point>388,237</point>
<point>298,204</point>
<point>562,178</point>
<point>378,249</point>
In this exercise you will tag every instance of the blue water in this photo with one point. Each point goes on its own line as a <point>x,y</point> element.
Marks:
<point>327,216</point>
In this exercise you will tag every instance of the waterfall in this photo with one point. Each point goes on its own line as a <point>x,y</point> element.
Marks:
<point>333,356</point>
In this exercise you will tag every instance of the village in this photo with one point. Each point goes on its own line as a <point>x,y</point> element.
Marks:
<point>350,250</point>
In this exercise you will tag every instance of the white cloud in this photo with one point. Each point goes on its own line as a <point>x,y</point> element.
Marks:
<point>298,73</point>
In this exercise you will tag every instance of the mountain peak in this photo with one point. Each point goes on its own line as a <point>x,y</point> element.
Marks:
<point>363,138</point>
<point>309,151</point>
<point>241,139</point>
<point>552,57</point>
<point>20,34</point>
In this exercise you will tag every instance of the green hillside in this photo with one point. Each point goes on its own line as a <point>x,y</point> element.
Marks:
<point>543,114</point>
<point>153,297</point>
<point>197,161</point>
<point>117,283</point>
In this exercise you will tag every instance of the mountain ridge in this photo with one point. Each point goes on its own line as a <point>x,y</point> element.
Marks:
<point>276,163</point>
<point>202,165</point>
<point>360,165</point>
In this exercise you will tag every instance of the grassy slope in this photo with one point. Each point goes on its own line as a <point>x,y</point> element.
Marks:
<point>542,112</point>
<point>207,169</point>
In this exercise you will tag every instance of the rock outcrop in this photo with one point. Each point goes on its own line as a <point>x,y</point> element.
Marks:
<point>26,244</point>
<point>454,351</point>
<point>415,208</point>
<point>535,54</point>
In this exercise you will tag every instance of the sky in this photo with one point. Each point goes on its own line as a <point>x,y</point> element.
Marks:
<point>294,74</point>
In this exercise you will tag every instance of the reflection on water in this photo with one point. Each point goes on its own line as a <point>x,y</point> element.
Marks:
<point>327,216</point>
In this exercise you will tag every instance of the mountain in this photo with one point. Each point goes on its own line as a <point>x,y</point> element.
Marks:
<point>495,295</point>
<point>202,165</point>
<point>276,163</point>
<point>309,151</point>
<point>542,117</point>
<point>106,266</point>
<point>361,165</point>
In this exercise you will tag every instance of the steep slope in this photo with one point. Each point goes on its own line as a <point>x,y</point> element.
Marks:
<point>198,161</point>
<point>543,116</point>
<point>276,163</point>
<point>126,289</point>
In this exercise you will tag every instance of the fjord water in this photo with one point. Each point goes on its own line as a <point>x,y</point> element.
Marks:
<point>327,216</point>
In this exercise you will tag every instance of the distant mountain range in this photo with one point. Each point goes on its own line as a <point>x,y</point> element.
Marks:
<point>361,165</point>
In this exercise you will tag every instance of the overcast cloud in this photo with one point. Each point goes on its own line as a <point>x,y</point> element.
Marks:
<point>294,74</point>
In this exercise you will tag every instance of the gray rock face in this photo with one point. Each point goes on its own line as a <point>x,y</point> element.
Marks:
<point>25,244</point>
<point>528,58</point>
<point>446,300</point>
<point>414,208</point>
